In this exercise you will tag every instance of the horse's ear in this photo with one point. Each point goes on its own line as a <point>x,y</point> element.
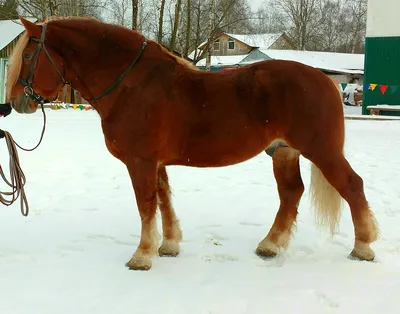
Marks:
<point>31,28</point>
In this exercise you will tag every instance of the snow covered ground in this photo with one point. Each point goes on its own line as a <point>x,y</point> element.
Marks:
<point>68,255</point>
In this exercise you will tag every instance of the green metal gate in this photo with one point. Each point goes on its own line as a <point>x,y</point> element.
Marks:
<point>382,67</point>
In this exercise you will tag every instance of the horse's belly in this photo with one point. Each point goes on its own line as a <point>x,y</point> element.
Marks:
<point>220,153</point>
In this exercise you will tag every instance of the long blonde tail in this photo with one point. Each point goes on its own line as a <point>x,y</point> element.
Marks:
<point>327,201</point>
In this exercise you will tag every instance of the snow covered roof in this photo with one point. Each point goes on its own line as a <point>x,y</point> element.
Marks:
<point>329,61</point>
<point>222,60</point>
<point>9,30</point>
<point>257,40</point>
<point>253,40</point>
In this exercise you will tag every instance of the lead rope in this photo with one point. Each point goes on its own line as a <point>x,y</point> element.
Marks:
<point>17,176</point>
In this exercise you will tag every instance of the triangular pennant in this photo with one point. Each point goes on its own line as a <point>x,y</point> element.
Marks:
<point>344,85</point>
<point>373,86</point>
<point>393,88</point>
<point>383,89</point>
<point>366,86</point>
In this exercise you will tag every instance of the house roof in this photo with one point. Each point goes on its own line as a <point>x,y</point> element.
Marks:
<point>329,61</point>
<point>345,63</point>
<point>257,40</point>
<point>253,40</point>
<point>222,60</point>
<point>9,30</point>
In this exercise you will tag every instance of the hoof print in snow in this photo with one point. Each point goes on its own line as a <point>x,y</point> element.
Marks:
<point>214,242</point>
<point>250,224</point>
<point>219,258</point>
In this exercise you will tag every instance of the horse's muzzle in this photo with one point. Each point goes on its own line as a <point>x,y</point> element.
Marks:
<point>5,109</point>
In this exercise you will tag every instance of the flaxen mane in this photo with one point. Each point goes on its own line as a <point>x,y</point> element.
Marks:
<point>15,62</point>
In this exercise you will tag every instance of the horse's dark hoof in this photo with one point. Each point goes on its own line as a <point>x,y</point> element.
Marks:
<point>169,248</point>
<point>139,263</point>
<point>361,256</point>
<point>265,253</point>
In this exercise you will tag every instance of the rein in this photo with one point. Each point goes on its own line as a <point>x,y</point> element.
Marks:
<point>17,176</point>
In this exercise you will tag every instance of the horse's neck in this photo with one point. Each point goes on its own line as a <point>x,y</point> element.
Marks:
<point>93,65</point>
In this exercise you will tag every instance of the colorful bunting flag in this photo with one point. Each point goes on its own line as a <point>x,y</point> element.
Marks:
<point>344,85</point>
<point>383,89</point>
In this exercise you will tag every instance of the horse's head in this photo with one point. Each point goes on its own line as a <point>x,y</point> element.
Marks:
<point>35,71</point>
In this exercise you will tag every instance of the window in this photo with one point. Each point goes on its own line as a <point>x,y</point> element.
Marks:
<point>216,45</point>
<point>231,44</point>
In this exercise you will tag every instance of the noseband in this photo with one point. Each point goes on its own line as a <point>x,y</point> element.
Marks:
<point>27,83</point>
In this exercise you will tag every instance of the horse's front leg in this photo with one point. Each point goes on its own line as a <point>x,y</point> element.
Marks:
<point>143,174</point>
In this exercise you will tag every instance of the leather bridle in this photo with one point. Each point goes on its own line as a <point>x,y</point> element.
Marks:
<point>27,82</point>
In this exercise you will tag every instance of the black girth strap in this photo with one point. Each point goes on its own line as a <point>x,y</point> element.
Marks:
<point>119,80</point>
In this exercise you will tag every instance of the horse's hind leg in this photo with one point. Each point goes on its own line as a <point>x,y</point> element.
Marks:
<point>290,188</point>
<point>338,172</point>
<point>172,233</point>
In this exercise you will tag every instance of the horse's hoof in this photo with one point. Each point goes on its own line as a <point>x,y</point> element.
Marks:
<point>265,253</point>
<point>139,263</point>
<point>169,248</point>
<point>362,255</point>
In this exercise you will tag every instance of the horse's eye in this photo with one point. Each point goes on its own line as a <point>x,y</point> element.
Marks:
<point>27,55</point>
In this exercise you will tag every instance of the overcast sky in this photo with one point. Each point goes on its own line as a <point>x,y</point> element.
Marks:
<point>255,3</point>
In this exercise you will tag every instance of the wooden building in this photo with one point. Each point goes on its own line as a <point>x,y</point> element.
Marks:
<point>227,44</point>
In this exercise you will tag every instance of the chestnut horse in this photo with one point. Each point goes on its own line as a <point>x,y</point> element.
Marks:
<point>158,110</point>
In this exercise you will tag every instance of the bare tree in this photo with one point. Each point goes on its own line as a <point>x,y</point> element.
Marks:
<point>43,8</point>
<point>332,25</point>
<point>267,19</point>
<point>8,10</point>
<point>358,9</point>
<point>211,31</point>
<point>135,8</point>
<point>161,22</point>
<point>175,25</point>
<point>187,33</point>
<point>120,10</point>
<point>303,17</point>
